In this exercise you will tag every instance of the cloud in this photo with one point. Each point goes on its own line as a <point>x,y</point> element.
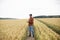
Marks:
<point>22,8</point>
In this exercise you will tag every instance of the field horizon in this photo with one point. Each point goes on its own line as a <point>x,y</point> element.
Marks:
<point>17,29</point>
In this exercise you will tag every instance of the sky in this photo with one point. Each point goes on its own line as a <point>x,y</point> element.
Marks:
<point>22,8</point>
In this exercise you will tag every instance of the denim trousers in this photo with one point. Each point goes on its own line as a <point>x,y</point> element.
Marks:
<point>31,30</point>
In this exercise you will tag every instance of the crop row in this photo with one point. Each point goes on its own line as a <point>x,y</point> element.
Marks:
<point>42,32</point>
<point>13,29</point>
<point>53,23</point>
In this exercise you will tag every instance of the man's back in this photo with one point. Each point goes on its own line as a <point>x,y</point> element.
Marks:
<point>30,21</point>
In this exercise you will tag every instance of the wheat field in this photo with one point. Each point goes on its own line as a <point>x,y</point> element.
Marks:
<point>42,32</point>
<point>13,29</point>
<point>17,29</point>
<point>53,21</point>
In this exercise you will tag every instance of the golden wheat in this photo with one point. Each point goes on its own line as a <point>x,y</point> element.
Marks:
<point>13,29</point>
<point>54,21</point>
<point>42,32</point>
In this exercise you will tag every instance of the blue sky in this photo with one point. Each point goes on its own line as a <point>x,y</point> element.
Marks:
<point>22,8</point>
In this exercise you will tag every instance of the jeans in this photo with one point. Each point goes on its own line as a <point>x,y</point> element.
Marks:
<point>31,30</point>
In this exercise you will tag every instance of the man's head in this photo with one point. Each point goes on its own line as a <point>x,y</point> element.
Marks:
<point>30,15</point>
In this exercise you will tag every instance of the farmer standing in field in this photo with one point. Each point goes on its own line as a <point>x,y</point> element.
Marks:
<point>30,22</point>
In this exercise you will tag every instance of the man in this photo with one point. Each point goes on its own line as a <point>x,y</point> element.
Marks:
<point>31,31</point>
